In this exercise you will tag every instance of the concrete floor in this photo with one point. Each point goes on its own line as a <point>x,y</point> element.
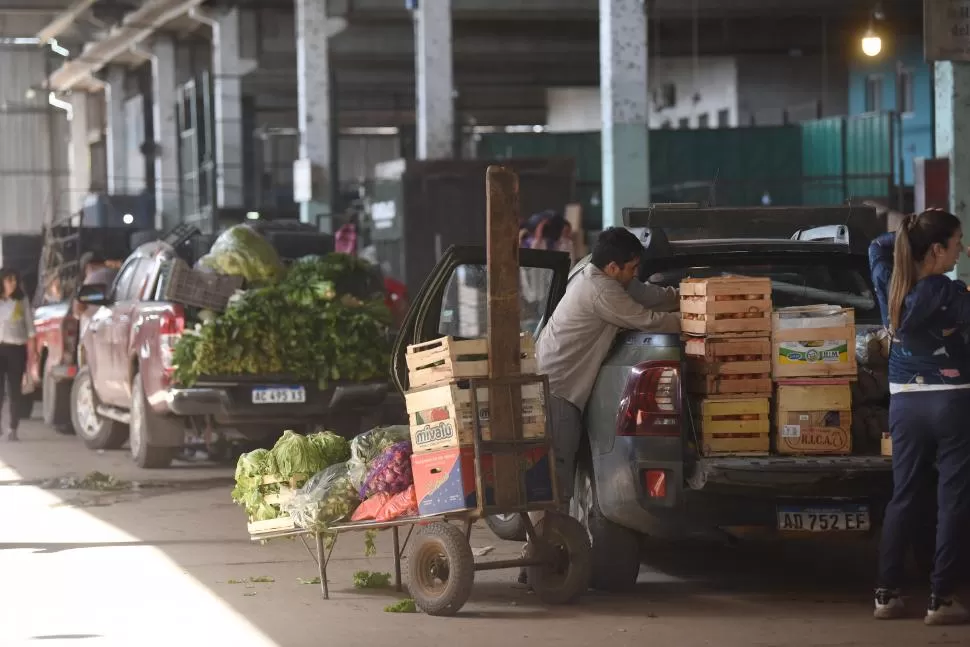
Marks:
<point>152,566</point>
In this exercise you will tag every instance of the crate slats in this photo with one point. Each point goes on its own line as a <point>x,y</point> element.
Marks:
<point>446,359</point>
<point>728,384</point>
<point>725,305</point>
<point>735,426</point>
<point>725,286</point>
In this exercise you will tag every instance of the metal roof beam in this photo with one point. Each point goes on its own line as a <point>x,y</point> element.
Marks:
<point>64,20</point>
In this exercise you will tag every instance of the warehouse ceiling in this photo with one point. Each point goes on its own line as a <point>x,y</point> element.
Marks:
<point>506,52</point>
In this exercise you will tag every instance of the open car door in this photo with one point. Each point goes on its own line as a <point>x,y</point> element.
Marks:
<point>454,299</point>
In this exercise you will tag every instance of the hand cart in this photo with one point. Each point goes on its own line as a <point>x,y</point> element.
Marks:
<point>441,566</point>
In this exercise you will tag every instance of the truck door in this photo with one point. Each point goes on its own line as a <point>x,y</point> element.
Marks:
<point>454,299</point>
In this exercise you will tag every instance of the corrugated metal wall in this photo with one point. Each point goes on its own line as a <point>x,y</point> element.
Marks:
<point>33,145</point>
<point>849,158</point>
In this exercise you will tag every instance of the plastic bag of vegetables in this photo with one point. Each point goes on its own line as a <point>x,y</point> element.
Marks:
<point>403,504</point>
<point>325,499</point>
<point>390,473</point>
<point>367,447</point>
<point>242,251</point>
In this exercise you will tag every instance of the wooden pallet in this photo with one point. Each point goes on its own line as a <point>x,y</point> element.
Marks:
<point>288,488</point>
<point>447,359</point>
<point>735,426</point>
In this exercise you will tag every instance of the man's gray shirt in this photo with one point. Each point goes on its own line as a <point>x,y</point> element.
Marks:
<point>578,337</point>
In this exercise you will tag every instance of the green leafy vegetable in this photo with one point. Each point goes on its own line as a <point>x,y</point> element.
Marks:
<point>369,580</point>
<point>242,251</point>
<point>333,448</point>
<point>296,455</point>
<point>406,605</point>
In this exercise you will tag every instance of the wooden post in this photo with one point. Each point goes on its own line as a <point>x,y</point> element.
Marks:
<point>505,405</point>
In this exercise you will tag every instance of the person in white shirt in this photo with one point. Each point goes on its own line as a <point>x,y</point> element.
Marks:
<point>16,335</point>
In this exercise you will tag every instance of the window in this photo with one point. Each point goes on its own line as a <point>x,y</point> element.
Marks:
<point>874,93</point>
<point>683,123</point>
<point>723,119</point>
<point>119,291</point>
<point>904,91</point>
<point>704,121</point>
<point>464,305</point>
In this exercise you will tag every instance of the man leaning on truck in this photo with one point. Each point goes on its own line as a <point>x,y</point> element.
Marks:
<point>603,299</point>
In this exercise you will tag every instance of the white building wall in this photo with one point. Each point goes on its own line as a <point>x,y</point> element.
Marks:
<point>715,85</point>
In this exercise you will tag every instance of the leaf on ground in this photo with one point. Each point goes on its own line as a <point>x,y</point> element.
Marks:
<point>262,579</point>
<point>312,580</point>
<point>406,605</point>
<point>235,581</point>
<point>249,595</point>
<point>369,580</point>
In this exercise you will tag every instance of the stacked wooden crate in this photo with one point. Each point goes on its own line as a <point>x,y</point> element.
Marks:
<point>726,323</point>
<point>441,418</point>
<point>813,364</point>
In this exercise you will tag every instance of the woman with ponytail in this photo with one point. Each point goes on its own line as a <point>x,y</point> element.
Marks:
<point>929,375</point>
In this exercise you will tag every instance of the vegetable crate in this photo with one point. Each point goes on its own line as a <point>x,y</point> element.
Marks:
<point>286,489</point>
<point>441,565</point>
<point>720,366</point>
<point>199,289</point>
<point>727,304</point>
<point>735,426</point>
<point>447,359</point>
<point>814,342</point>
<point>814,417</point>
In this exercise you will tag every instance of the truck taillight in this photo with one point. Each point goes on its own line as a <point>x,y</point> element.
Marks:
<point>651,404</point>
<point>169,331</point>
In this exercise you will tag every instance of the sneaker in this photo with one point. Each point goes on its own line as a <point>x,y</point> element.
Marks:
<point>889,604</point>
<point>945,611</point>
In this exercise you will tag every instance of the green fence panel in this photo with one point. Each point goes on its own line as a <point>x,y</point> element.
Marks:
<point>822,161</point>
<point>869,156</point>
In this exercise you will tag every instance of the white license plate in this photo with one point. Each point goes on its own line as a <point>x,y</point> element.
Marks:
<point>279,395</point>
<point>848,518</point>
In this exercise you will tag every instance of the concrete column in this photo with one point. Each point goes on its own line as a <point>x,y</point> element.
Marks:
<point>623,97</point>
<point>435,80</point>
<point>311,173</point>
<point>228,69</point>
<point>165,95</point>
<point>952,87</point>
<point>80,153</point>
<point>117,147</point>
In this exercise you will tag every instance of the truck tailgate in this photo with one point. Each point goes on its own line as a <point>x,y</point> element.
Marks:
<point>783,472</point>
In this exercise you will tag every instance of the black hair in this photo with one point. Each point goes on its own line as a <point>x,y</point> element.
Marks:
<point>616,245</point>
<point>916,235</point>
<point>19,292</point>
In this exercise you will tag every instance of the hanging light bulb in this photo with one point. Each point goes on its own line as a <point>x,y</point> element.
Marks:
<point>871,43</point>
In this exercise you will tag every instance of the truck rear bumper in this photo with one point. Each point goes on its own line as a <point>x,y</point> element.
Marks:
<point>735,492</point>
<point>232,404</point>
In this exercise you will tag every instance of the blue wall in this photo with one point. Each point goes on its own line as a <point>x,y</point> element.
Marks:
<point>917,127</point>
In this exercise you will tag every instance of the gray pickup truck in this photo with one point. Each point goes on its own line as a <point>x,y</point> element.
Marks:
<point>625,448</point>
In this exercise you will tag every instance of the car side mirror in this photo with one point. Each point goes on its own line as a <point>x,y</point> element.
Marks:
<point>95,294</point>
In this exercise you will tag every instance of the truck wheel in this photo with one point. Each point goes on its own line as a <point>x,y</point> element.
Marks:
<point>507,526</point>
<point>147,427</point>
<point>615,554</point>
<point>56,405</point>
<point>95,430</point>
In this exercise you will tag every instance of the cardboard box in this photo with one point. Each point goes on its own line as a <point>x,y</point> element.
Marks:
<point>814,342</point>
<point>814,419</point>
<point>444,480</point>
<point>441,417</point>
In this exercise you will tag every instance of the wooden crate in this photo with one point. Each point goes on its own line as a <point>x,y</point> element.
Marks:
<point>287,488</point>
<point>446,359</point>
<point>722,366</point>
<point>726,305</point>
<point>814,419</point>
<point>441,416</point>
<point>814,342</point>
<point>736,426</point>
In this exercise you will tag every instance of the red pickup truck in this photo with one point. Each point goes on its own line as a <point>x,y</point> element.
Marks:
<point>124,391</point>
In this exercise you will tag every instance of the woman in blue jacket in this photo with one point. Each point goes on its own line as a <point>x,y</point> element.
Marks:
<point>929,375</point>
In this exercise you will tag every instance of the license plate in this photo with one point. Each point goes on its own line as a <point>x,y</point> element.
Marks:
<point>279,395</point>
<point>848,518</point>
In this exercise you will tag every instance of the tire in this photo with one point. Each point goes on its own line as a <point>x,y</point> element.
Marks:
<point>563,541</point>
<point>441,569</point>
<point>146,427</point>
<point>97,432</point>
<point>507,526</point>
<point>615,552</point>
<point>56,405</point>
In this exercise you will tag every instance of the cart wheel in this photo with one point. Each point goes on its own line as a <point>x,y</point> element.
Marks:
<point>441,569</point>
<point>565,543</point>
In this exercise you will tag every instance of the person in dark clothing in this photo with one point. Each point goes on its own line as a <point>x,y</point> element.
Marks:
<point>929,375</point>
<point>924,536</point>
